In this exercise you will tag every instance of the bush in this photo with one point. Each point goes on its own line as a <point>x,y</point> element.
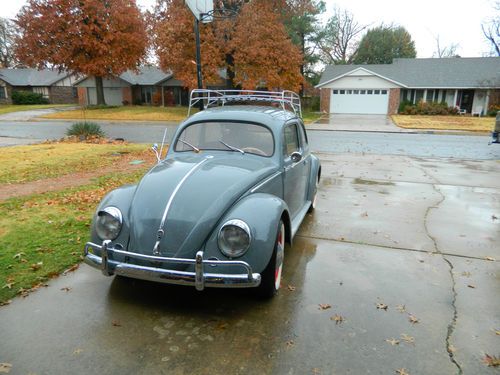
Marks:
<point>28,97</point>
<point>403,105</point>
<point>493,110</point>
<point>429,109</point>
<point>85,130</point>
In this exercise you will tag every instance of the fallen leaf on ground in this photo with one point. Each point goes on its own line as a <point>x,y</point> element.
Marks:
<point>316,371</point>
<point>77,351</point>
<point>338,319</point>
<point>324,306</point>
<point>452,349</point>
<point>401,308</point>
<point>491,360</point>
<point>392,341</point>
<point>491,259</point>
<point>18,256</point>
<point>71,269</point>
<point>66,289</point>
<point>5,303</point>
<point>402,371</point>
<point>291,288</point>
<point>471,286</point>
<point>116,324</point>
<point>364,214</point>
<point>5,368</point>
<point>8,286</point>
<point>290,343</point>
<point>382,306</point>
<point>497,332</point>
<point>413,319</point>
<point>407,338</point>
<point>494,217</point>
<point>466,274</point>
<point>36,266</point>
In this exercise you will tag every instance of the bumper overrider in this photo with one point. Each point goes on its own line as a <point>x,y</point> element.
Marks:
<point>199,279</point>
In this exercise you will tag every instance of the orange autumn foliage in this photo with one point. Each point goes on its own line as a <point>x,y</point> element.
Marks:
<point>92,37</point>
<point>253,45</point>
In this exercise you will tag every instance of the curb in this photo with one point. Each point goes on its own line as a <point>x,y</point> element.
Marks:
<point>434,132</point>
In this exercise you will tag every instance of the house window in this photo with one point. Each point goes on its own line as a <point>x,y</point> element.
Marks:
<point>356,92</point>
<point>376,92</point>
<point>419,95</point>
<point>335,91</point>
<point>349,92</point>
<point>342,92</point>
<point>383,92</point>
<point>42,90</point>
<point>362,92</point>
<point>3,92</point>
<point>369,92</point>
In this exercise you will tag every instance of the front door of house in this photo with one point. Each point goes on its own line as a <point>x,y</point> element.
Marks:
<point>466,100</point>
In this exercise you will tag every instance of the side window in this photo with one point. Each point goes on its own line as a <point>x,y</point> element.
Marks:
<point>291,139</point>
<point>303,137</point>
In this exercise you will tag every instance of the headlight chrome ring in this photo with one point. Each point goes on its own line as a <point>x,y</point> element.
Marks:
<point>109,223</point>
<point>234,238</point>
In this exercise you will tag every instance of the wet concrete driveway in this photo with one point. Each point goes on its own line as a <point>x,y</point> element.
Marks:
<point>391,272</point>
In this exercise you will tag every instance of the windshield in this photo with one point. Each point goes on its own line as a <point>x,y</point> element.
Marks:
<point>227,136</point>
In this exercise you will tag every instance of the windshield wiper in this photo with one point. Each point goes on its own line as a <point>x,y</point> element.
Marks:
<point>232,148</point>
<point>196,149</point>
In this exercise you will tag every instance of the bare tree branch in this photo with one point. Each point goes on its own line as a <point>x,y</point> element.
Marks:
<point>445,51</point>
<point>491,30</point>
<point>8,32</point>
<point>338,41</point>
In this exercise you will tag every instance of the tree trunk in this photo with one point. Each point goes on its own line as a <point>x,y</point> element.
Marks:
<point>99,91</point>
<point>229,71</point>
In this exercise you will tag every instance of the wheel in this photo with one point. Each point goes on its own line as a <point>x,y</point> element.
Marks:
<point>271,277</point>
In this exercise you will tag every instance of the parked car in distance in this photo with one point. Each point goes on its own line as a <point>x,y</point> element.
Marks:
<point>235,185</point>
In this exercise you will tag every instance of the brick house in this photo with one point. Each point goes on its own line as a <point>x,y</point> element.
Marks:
<point>56,86</point>
<point>147,86</point>
<point>471,84</point>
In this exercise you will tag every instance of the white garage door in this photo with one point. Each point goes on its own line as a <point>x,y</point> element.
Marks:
<point>112,96</point>
<point>359,101</point>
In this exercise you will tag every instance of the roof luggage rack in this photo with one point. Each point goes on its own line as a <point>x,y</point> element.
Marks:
<point>211,98</point>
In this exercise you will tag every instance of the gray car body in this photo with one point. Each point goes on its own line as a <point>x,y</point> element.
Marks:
<point>227,185</point>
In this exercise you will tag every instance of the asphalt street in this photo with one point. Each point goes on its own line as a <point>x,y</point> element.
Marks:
<point>412,144</point>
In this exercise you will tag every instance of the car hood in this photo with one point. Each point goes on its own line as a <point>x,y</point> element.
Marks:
<point>198,189</point>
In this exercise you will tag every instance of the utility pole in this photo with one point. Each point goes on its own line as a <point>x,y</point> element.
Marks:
<point>198,58</point>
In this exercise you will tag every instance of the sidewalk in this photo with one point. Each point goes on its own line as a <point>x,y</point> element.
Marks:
<point>372,123</point>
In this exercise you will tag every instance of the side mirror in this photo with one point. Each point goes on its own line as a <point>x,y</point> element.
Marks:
<point>155,150</point>
<point>296,156</point>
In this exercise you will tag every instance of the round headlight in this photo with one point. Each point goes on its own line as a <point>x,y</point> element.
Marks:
<point>109,223</point>
<point>234,238</point>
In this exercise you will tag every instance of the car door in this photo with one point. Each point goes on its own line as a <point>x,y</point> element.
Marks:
<point>296,163</point>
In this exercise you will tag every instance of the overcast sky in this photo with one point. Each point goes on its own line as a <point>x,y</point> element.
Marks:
<point>454,21</point>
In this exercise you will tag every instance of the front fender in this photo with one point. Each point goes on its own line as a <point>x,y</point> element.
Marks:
<point>314,177</point>
<point>262,212</point>
<point>121,199</point>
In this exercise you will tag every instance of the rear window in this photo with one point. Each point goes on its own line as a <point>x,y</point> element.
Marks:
<point>250,138</point>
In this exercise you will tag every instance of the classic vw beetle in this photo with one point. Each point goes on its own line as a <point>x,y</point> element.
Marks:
<point>234,186</point>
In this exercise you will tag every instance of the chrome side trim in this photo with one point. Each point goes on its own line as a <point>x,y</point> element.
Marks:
<point>161,232</point>
<point>258,186</point>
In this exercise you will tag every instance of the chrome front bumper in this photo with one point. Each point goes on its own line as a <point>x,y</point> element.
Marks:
<point>199,279</point>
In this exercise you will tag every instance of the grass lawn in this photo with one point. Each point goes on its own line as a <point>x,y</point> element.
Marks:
<point>309,117</point>
<point>43,235</point>
<point>140,113</point>
<point>466,123</point>
<point>30,163</point>
<point>7,108</point>
<point>135,113</point>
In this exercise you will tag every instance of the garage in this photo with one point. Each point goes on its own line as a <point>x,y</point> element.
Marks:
<point>112,95</point>
<point>359,101</point>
